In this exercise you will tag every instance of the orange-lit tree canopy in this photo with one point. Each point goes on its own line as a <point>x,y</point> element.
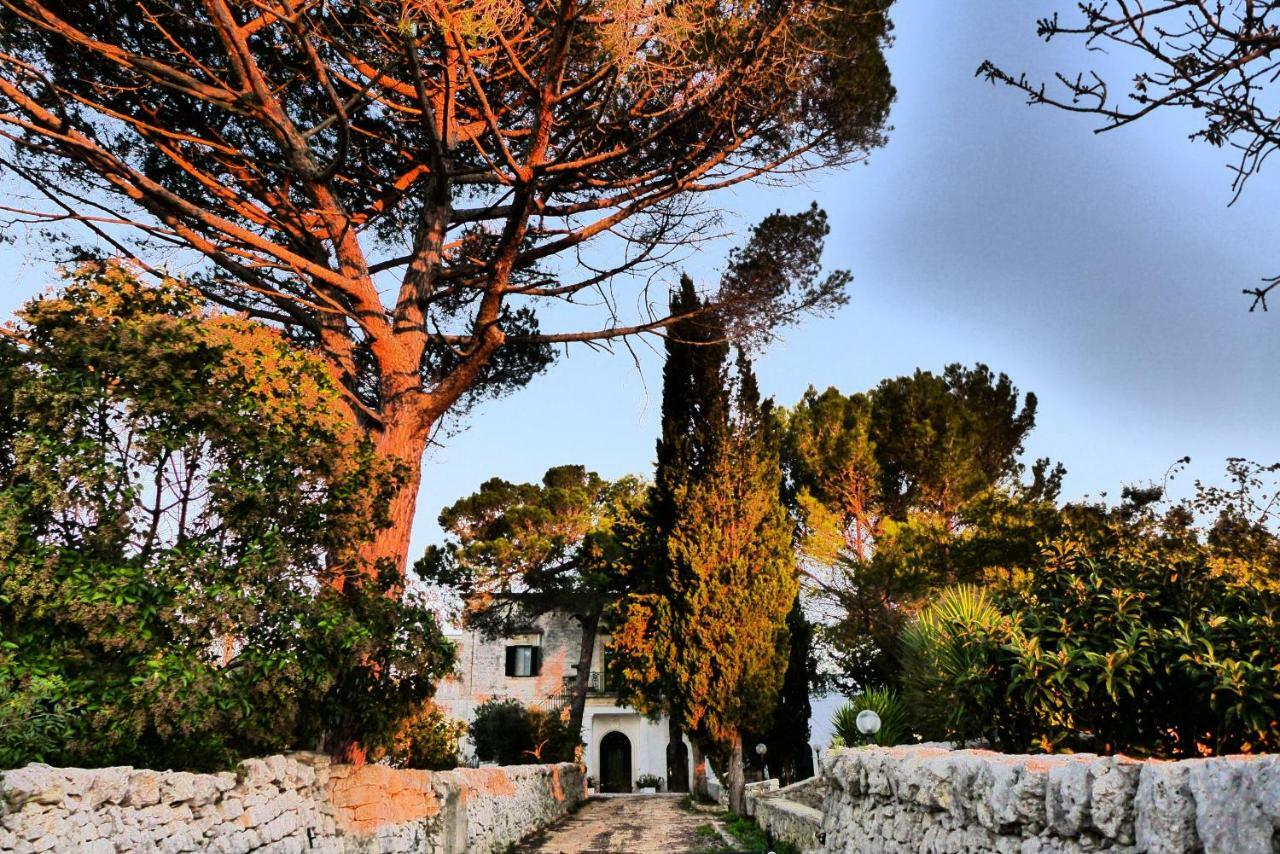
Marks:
<point>407,185</point>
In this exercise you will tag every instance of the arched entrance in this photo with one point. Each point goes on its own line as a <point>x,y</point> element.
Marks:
<point>615,763</point>
<point>677,765</point>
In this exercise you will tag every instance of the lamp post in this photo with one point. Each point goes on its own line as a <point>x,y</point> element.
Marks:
<point>761,750</point>
<point>868,724</point>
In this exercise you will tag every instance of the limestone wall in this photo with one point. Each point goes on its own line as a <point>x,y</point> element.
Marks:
<point>938,800</point>
<point>296,803</point>
<point>792,813</point>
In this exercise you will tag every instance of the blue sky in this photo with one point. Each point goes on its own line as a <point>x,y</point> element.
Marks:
<point>1102,272</point>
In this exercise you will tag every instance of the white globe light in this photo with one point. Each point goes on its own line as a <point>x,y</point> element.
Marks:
<point>868,722</point>
<point>761,749</point>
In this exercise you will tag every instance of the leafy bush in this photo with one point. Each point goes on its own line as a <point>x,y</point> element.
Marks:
<point>35,721</point>
<point>950,690</point>
<point>886,703</point>
<point>183,498</point>
<point>508,733</point>
<point>427,739</point>
<point>649,781</point>
<point>1143,644</point>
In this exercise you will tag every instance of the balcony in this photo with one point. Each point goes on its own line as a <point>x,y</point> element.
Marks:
<point>597,683</point>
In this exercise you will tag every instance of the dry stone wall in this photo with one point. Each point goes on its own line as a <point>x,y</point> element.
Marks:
<point>933,799</point>
<point>290,804</point>
<point>793,814</point>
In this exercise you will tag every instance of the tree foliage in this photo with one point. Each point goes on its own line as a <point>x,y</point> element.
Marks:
<point>519,551</point>
<point>887,703</point>
<point>704,633</point>
<point>479,160</point>
<point>788,754</point>
<point>182,496</point>
<point>904,489</point>
<point>426,738</point>
<point>505,732</point>
<point>1136,631</point>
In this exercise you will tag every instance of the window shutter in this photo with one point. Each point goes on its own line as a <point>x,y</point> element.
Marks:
<point>511,661</point>
<point>537,660</point>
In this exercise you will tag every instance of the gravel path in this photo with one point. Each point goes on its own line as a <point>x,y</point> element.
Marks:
<point>640,824</point>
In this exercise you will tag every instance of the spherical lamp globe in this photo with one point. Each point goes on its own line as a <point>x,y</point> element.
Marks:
<point>868,722</point>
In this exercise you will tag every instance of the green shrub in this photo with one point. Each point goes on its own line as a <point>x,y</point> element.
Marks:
<point>35,720</point>
<point>886,703</point>
<point>506,732</point>
<point>427,739</point>
<point>950,689</point>
<point>183,498</point>
<point>1146,645</point>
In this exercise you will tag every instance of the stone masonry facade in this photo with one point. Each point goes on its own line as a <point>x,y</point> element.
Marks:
<point>291,804</point>
<point>934,799</point>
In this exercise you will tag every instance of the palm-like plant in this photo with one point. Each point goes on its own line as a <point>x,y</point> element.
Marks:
<point>885,702</point>
<point>951,686</point>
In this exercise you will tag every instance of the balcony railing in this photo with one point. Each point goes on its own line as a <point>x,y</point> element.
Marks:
<point>597,682</point>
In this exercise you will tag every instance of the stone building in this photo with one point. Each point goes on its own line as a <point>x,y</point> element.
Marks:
<point>536,668</point>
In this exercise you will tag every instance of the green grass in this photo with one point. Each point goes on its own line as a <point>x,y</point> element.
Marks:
<point>751,836</point>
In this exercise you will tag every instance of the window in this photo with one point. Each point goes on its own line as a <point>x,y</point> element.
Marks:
<point>523,660</point>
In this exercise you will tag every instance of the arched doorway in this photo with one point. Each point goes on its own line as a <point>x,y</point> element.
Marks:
<point>677,764</point>
<point>615,763</point>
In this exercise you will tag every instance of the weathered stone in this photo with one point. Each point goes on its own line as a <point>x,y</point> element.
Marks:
<point>177,787</point>
<point>1067,795</point>
<point>1230,814</point>
<point>1165,815</point>
<point>143,789</point>
<point>33,783</point>
<point>1111,795</point>
<point>254,773</point>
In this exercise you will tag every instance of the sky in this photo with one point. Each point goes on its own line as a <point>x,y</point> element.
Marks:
<point>1103,272</point>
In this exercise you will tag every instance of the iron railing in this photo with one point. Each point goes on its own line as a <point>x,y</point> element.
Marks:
<point>597,682</point>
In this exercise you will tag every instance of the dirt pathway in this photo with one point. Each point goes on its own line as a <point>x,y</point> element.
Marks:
<point>635,825</point>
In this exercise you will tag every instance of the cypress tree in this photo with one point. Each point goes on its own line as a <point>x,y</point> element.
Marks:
<point>789,757</point>
<point>704,635</point>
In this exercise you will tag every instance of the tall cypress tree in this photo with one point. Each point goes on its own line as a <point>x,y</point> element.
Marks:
<point>695,409</point>
<point>789,756</point>
<point>704,635</point>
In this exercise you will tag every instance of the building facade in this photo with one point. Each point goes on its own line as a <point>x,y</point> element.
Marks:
<point>536,668</point>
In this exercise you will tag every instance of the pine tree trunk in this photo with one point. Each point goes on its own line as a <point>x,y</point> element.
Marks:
<point>700,789</point>
<point>403,438</point>
<point>736,779</point>
<point>586,651</point>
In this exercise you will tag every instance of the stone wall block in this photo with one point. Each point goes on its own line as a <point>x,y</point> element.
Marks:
<point>1111,797</point>
<point>926,799</point>
<point>142,789</point>
<point>107,786</point>
<point>282,805</point>
<point>1066,798</point>
<point>1165,816</point>
<point>1229,803</point>
<point>35,783</point>
<point>254,773</point>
